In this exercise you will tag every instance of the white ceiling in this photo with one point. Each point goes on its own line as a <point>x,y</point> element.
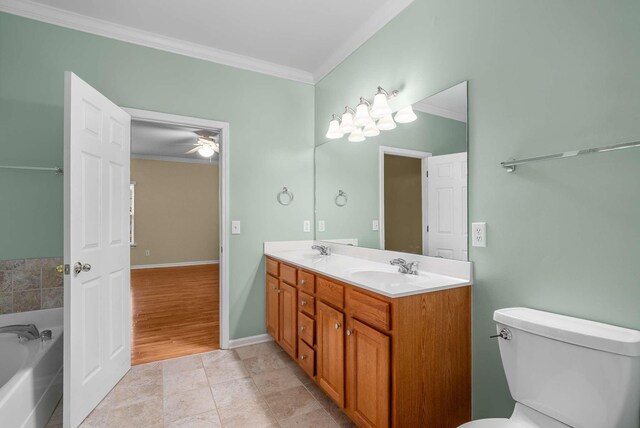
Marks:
<point>450,103</point>
<point>295,39</point>
<point>166,142</point>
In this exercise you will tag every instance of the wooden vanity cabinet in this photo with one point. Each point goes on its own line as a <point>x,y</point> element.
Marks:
<point>389,362</point>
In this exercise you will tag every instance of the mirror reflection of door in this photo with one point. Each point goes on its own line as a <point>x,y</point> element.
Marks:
<point>403,204</point>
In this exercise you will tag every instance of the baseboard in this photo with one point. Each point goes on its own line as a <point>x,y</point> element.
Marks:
<point>251,340</point>
<point>164,265</point>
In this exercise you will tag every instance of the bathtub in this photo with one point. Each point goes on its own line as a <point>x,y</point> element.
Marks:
<point>30,372</point>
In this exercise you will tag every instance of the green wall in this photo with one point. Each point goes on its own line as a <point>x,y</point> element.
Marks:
<point>33,58</point>
<point>544,76</point>
<point>354,168</point>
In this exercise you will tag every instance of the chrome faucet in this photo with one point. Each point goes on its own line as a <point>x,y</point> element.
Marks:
<point>26,331</point>
<point>324,250</point>
<point>405,267</point>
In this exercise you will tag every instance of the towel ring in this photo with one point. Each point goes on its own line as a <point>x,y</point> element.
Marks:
<point>341,199</point>
<point>285,197</point>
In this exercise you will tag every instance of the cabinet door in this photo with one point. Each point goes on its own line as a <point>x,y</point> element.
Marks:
<point>288,318</point>
<point>368,375</point>
<point>330,357</point>
<point>273,291</point>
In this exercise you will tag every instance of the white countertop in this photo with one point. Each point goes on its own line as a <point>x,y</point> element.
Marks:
<point>371,275</point>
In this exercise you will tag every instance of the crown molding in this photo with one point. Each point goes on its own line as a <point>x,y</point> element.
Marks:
<point>75,21</point>
<point>174,159</point>
<point>363,33</point>
<point>439,111</point>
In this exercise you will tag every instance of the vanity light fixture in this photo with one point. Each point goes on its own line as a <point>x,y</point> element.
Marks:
<point>405,115</point>
<point>371,130</point>
<point>362,113</point>
<point>334,129</point>
<point>347,125</point>
<point>380,107</point>
<point>356,136</point>
<point>386,123</point>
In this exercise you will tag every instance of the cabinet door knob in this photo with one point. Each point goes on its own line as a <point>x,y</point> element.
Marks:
<point>349,332</point>
<point>338,325</point>
<point>301,328</point>
<point>303,302</point>
<point>303,282</point>
<point>302,357</point>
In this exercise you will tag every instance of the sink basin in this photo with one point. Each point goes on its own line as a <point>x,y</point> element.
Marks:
<point>308,256</point>
<point>383,275</point>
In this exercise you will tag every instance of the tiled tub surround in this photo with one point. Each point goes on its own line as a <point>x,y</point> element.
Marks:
<point>253,386</point>
<point>30,284</point>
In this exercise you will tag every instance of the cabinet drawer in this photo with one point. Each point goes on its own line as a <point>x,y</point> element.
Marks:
<point>330,292</point>
<point>306,328</point>
<point>306,282</point>
<point>306,303</point>
<point>288,274</point>
<point>306,358</point>
<point>272,267</point>
<point>369,309</point>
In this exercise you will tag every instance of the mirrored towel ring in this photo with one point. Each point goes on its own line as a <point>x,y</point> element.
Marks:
<point>341,199</point>
<point>285,197</point>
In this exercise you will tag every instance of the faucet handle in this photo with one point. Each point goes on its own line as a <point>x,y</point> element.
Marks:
<point>398,261</point>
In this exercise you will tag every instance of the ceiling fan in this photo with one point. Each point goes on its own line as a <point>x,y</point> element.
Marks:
<point>206,146</point>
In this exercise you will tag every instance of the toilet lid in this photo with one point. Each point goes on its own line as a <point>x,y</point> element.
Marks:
<point>492,423</point>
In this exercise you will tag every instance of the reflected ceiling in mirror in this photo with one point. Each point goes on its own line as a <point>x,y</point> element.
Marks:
<point>404,189</point>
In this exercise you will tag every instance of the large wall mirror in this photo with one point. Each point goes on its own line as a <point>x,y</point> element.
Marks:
<point>403,190</point>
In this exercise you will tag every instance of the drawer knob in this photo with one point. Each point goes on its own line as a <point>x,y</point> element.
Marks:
<point>301,328</point>
<point>303,302</point>
<point>303,282</point>
<point>338,325</point>
<point>303,357</point>
<point>349,332</point>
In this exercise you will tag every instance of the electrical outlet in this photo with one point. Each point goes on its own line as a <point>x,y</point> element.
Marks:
<point>479,234</point>
<point>147,252</point>
<point>306,226</point>
<point>321,226</point>
<point>375,225</point>
<point>235,227</point>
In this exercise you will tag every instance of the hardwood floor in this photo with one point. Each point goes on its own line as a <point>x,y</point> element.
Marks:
<point>175,312</point>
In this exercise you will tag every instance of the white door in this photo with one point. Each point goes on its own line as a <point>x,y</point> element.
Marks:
<point>447,205</point>
<point>97,306</point>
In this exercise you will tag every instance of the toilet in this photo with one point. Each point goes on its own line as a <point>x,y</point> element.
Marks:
<point>567,372</point>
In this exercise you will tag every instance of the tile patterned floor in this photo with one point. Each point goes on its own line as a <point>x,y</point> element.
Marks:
<point>252,386</point>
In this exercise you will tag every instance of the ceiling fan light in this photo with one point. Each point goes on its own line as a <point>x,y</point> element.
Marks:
<point>356,136</point>
<point>380,107</point>
<point>206,151</point>
<point>405,115</point>
<point>371,130</point>
<point>347,125</point>
<point>362,115</point>
<point>334,130</point>
<point>386,123</point>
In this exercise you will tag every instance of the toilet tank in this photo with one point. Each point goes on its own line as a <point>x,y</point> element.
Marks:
<point>582,373</point>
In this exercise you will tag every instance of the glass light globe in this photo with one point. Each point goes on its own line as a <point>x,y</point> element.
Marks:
<point>356,136</point>
<point>386,123</point>
<point>206,151</point>
<point>371,130</point>
<point>405,115</point>
<point>380,107</point>
<point>362,115</point>
<point>347,125</point>
<point>334,130</point>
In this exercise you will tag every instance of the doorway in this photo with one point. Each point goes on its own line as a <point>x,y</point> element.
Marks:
<point>177,263</point>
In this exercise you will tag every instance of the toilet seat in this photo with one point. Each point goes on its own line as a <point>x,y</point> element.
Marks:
<point>493,423</point>
<point>522,417</point>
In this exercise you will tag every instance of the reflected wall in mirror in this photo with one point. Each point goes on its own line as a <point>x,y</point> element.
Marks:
<point>403,190</point>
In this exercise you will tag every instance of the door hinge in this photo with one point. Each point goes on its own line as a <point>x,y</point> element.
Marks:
<point>427,228</point>
<point>427,174</point>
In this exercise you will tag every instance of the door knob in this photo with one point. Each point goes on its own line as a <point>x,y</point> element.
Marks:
<point>79,267</point>
<point>60,268</point>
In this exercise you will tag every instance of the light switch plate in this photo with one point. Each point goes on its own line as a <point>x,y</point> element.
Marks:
<point>306,226</point>
<point>235,227</point>
<point>375,225</point>
<point>479,234</point>
<point>321,226</point>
